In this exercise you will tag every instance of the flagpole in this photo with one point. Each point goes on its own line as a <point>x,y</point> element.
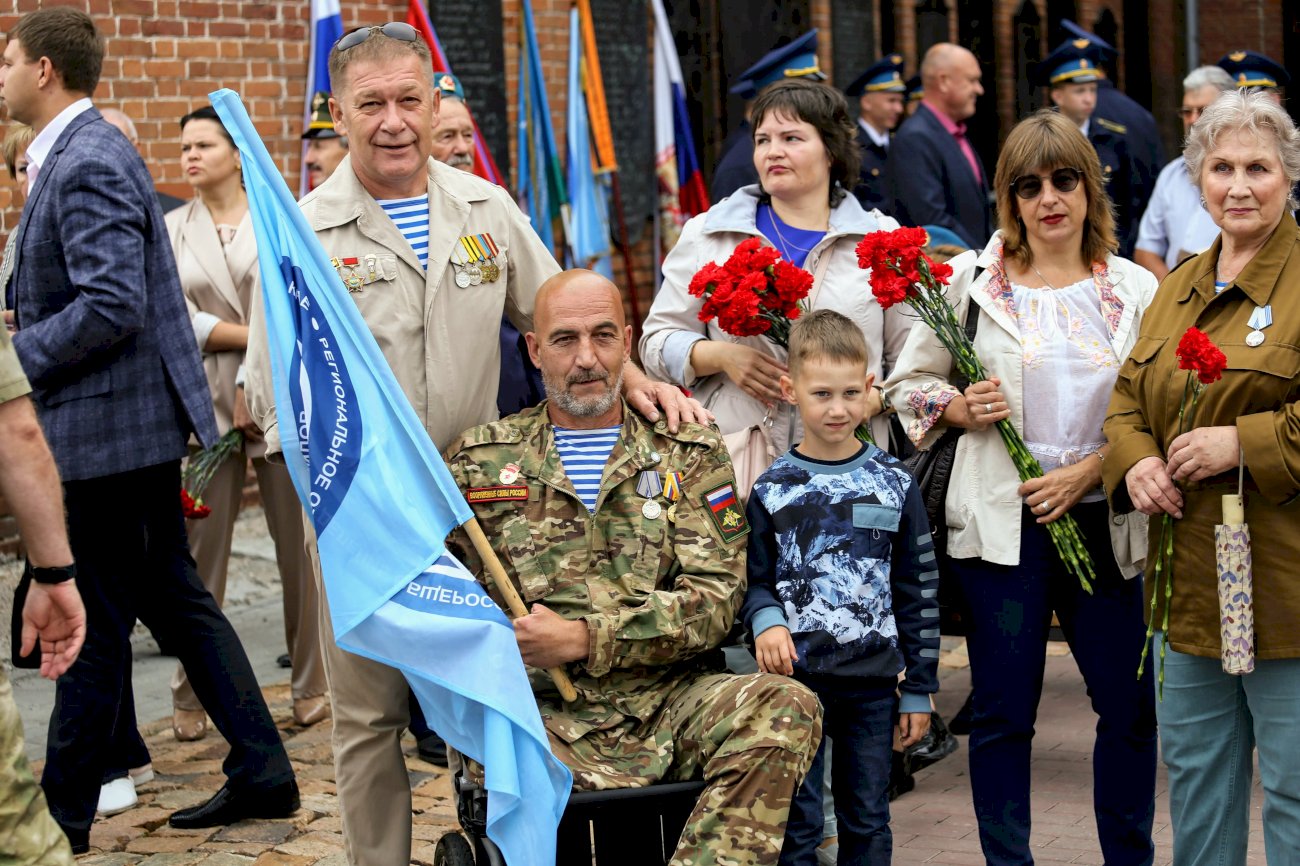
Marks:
<point>516,604</point>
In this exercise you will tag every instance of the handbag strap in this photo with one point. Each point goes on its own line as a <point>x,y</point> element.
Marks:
<point>823,262</point>
<point>960,382</point>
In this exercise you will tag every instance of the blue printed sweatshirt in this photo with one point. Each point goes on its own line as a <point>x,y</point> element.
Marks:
<point>840,553</point>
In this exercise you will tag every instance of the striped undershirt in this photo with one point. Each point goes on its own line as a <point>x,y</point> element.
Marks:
<point>584,454</point>
<point>411,216</point>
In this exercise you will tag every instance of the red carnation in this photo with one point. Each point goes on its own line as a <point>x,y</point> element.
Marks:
<point>1197,352</point>
<point>710,274</point>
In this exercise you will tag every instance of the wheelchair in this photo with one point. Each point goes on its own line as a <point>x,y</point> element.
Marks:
<point>618,827</point>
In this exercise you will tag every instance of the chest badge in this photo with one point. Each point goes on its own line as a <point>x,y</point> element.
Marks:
<point>1259,320</point>
<point>509,473</point>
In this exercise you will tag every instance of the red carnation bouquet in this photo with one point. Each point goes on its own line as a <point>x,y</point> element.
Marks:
<point>199,470</point>
<point>901,272</point>
<point>755,292</point>
<point>1204,363</point>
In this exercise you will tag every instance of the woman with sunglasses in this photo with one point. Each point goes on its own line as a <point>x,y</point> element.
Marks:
<point>1058,312</point>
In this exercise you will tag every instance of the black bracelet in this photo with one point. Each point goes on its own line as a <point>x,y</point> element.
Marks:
<point>58,574</point>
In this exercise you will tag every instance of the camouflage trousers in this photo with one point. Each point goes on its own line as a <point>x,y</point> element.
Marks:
<point>28,835</point>
<point>751,738</point>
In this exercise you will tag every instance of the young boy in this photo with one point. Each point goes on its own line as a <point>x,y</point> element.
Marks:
<point>843,590</point>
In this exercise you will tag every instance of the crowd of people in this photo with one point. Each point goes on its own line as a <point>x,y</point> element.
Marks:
<point>774,636</point>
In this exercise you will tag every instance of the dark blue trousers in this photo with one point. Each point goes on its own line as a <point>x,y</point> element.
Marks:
<point>862,726</point>
<point>1011,611</point>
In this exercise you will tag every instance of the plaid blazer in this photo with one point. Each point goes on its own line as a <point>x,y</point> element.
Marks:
<point>103,332</point>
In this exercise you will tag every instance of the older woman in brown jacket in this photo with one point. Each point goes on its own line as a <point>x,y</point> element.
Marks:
<point>216,255</point>
<point>1244,292</point>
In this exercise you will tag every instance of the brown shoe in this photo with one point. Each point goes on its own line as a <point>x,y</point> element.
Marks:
<point>309,711</point>
<point>189,725</point>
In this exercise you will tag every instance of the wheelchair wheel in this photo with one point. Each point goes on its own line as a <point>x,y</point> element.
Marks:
<point>453,850</point>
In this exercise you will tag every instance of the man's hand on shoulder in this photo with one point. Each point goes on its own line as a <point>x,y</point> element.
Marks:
<point>547,640</point>
<point>647,396</point>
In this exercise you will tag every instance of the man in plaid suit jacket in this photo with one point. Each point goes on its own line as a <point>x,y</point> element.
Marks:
<point>105,339</point>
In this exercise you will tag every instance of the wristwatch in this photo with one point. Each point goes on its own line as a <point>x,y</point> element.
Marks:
<point>885,406</point>
<point>58,574</point>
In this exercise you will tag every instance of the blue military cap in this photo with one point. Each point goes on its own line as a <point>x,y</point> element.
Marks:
<point>797,59</point>
<point>1252,69</point>
<point>883,76</point>
<point>1074,61</point>
<point>449,85</point>
<point>1107,51</point>
<point>915,90</point>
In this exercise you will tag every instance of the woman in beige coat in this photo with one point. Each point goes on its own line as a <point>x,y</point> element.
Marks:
<point>216,255</point>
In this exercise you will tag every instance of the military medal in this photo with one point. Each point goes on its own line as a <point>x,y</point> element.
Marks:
<point>491,270</point>
<point>648,484</point>
<point>462,274</point>
<point>651,510</point>
<point>475,275</point>
<point>672,486</point>
<point>1259,320</point>
<point>351,279</point>
<point>509,473</point>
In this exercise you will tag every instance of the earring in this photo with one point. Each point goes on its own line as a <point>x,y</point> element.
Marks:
<point>1204,203</point>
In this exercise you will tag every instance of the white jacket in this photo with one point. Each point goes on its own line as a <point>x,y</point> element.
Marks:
<point>982,508</point>
<point>711,237</point>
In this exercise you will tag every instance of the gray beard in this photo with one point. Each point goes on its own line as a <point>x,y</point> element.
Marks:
<point>557,392</point>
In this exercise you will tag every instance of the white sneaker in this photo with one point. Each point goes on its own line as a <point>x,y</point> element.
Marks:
<point>828,855</point>
<point>141,775</point>
<point>117,796</point>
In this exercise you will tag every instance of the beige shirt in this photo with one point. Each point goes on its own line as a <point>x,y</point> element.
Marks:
<point>13,383</point>
<point>220,281</point>
<point>441,340</point>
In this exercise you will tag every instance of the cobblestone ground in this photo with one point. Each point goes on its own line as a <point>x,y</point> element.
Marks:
<point>933,824</point>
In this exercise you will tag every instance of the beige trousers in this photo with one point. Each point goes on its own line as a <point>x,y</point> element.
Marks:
<point>369,702</point>
<point>210,540</point>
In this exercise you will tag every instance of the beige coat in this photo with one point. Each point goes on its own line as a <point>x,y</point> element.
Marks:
<point>221,282</point>
<point>983,508</point>
<point>440,340</point>
<point>712,237</point>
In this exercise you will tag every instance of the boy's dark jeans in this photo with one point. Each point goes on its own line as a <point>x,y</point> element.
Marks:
<point>862,726</point>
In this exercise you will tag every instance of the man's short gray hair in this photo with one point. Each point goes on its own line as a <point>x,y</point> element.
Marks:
<point>1208,76</point>
<point>1245,111</point>
<point>122,121</point>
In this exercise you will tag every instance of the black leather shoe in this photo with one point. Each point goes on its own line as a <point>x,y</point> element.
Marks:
<point>433,749</point>
<point>283,661</point>
<point>231,804</point>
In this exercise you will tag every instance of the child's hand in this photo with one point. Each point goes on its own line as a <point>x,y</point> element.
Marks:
<point>774,649</point>
<point>912,727</point>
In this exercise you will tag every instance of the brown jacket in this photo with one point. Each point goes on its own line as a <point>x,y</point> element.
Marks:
<point>1257,394</point>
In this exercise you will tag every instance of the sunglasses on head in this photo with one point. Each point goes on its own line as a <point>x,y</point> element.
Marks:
<point>1031,185</point>
<point>393,30</point>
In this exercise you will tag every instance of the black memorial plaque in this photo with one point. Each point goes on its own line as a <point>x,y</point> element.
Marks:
<point>623,42</point>
<point>471,35</point>
<point>854,46</point>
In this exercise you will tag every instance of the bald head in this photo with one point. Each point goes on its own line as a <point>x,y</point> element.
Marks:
<point>579,341</point>
<point>124,124</point>
<point>951,76</point>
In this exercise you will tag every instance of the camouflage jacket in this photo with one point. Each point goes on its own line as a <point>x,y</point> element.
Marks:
<point>659,585</point>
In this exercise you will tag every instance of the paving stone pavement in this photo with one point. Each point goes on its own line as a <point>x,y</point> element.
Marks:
<point>933,824</point>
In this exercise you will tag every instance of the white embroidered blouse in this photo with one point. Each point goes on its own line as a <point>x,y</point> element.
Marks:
<point>1069,372</point>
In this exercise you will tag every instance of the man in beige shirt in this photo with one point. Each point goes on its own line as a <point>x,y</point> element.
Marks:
<point>432,256</point>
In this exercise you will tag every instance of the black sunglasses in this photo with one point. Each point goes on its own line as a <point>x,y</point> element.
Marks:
<point>1031,185</point>
<point>393,30</point>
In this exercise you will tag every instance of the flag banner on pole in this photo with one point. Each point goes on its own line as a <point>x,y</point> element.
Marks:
<point>541,191</point>
<point>326,29</point>
<point>382,502</point>
<point>588,240</point>
<point>682,193</point>
<point>418,17</point>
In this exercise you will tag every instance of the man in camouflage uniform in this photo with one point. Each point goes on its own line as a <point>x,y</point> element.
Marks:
<point>633,594</point>
<point>53,612</point>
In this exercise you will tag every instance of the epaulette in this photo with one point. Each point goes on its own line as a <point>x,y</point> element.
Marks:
<point>1117,128</point>
<point>696,434</point>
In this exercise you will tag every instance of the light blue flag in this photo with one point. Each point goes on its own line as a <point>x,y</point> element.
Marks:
<point>589,237</point>
<point>382,503</point>
<point>541,191</point>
